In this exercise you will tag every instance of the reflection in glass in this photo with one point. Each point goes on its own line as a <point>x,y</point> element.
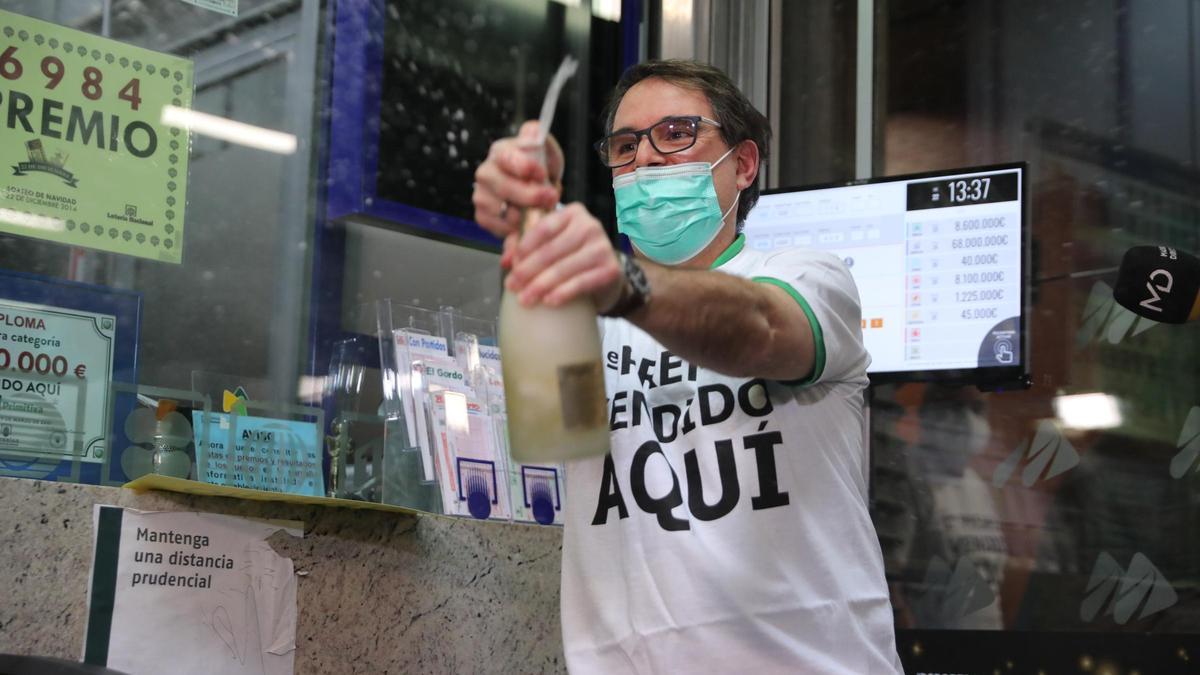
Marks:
<point>1084,492</point>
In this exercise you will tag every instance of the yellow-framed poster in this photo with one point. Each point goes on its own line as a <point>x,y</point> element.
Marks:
<point>85,157</point>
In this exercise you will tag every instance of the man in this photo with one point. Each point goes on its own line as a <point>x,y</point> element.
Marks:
<point>728,529</point>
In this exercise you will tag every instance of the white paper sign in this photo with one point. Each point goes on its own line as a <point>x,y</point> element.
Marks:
<point>189,593</point>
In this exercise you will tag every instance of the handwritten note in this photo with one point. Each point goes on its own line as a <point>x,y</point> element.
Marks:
<point>189,593</point>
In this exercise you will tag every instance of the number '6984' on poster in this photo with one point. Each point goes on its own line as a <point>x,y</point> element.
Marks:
<point>85,158</point>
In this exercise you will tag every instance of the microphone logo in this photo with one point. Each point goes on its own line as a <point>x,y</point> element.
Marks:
<point>1148,303</point>
<point>953,595</point>
<point>1049,454</point>
<point>1140,587</point>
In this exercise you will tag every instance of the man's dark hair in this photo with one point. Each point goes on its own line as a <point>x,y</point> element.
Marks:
<point>738,117</point>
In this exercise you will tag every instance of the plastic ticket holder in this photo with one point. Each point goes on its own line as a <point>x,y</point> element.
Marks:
<point>481,463</point>
<point>408,337</point>
<point>144,432</point>
<point>353,440</point>
<point>472,342</point>
<point>370,457</point>
<point>535,492</point>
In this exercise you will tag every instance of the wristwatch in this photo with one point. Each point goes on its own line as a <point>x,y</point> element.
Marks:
<point>635,292</point>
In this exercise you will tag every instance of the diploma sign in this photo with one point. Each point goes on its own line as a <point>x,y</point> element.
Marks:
<point>55,369</point>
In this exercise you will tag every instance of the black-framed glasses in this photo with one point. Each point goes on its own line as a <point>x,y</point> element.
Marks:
<point>672,134</point>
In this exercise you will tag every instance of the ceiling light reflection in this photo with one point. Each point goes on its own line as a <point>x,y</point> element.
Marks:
<point>1088,411</point>
<point>230,131</point>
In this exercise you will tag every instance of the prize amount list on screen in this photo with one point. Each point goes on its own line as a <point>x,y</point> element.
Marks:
<point>964,264</point>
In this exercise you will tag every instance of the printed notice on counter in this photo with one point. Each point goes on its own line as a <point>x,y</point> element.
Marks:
<point>89,153</point>
<point>189,593</point>
<point>260,453</point>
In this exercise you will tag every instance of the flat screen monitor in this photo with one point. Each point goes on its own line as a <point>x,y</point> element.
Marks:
<point>940,263</point>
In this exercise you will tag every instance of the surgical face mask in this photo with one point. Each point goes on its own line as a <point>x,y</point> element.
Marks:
<point>670,213</point>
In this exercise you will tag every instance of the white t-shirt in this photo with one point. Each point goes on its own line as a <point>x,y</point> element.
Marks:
<point>728,530</point>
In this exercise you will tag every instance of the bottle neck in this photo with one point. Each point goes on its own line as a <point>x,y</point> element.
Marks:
<point>537,152</point>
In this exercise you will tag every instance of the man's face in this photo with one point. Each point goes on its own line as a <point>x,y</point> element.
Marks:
<point>652,100</point>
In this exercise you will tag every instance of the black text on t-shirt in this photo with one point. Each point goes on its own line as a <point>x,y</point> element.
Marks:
<point>712,404</point>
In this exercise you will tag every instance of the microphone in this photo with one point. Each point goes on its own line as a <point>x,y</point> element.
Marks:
<point>1160,283</point>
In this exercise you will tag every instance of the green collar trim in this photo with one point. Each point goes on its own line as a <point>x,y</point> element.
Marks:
<point>817,333</point>
<point>735,248</point>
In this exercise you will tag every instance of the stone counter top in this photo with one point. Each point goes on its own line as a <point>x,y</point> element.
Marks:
<point>378,592</point>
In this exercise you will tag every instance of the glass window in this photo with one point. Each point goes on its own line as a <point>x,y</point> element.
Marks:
<point>324,163</point>
<point>1026,510</point>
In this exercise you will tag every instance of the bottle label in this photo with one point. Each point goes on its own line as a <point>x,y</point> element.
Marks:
<point>581,395</point>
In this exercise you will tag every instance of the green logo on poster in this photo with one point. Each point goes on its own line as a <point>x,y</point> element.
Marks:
<point>39,162</point>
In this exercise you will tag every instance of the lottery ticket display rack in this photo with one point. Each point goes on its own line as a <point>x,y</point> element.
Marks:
<point>416,424</point>
<point>444,442</point>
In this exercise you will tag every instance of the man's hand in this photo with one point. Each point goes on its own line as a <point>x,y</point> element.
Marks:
<point>563,255</point>
<point>511,179</point>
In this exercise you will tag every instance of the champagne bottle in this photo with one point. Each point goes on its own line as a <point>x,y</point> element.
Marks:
<point>553,377</point>
<point>550,356</point>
